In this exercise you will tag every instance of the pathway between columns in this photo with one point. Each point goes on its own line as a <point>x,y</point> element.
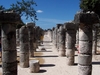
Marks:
<point>51,64</point>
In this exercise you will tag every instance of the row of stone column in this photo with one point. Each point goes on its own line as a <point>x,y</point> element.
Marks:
<point>87,39</point>
<point>9,21</point>
<point>82,32</point>
<point>28,41</point>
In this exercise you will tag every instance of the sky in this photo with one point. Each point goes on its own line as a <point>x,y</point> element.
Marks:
<point>50,12</point>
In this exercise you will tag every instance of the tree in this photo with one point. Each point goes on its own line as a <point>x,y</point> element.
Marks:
<point>23,8</point>
<point>2,8</point>
<point>90,5</point>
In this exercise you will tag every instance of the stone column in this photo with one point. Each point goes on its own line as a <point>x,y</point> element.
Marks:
<point>53,35</point>
<point>77,39</point>
<point>35,40</point>
<point>85,21</point>
<point>54,39</point>
<point>17,37</point>
<point>61,39</point>
<point>24,47</point>
<point>70,42</point>
<point>49,34</point>
<point>9,21</point>
<point>37,35</point>
<point>31,38</point>
<point>57,36</point>
<point>94,47</point>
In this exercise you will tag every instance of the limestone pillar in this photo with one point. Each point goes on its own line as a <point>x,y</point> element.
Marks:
<point>17,37</point>
<point>77,39</point>
<point>30,27</point>
<point>24,47</point>
<point>53,35</point>
<point>95,30</point>
<point>70,42</point>
<point>85,21</point>
<point>61,39</point>
<point>57,35</point>
<point>55,38</point>
<point>9,20</point>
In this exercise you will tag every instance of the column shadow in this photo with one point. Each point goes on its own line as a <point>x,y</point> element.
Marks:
<point>47,56</point>
<point>42,71</point>
<point>43,51</point>
<point>47,65</point>
<point>95,63</point>
<point>0,65</point>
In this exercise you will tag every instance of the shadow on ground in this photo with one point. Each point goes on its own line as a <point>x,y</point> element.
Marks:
<point>47,65</point>
<point>47,56</point>
<point>43,51</point>
<point>95,63</point>
<point>42,71</point>
<point>0,65</point>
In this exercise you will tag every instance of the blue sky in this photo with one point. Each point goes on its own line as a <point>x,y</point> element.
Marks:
<point>51,12</point>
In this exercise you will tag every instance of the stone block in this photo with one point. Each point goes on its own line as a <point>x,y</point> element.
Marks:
<point>34,66</point>
<point>84,59</point>
<point>70,60</point>
<point>9,56</point>
<point>85,47</point>
<point>84,70</point>
<point>70,52</point>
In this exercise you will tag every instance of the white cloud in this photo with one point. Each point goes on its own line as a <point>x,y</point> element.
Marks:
<point>39,11</point>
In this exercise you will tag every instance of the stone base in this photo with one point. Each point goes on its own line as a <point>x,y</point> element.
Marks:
<point>34,66</point>
<point>84,70</point>
<point>70,60</point>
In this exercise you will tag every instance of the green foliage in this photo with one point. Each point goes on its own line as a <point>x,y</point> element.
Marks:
<point>90,5</point>
<point>2,8</point>
<point>24,7</point>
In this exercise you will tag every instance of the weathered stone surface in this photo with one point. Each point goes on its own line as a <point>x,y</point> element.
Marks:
<point>24,47</point>
<point>30,27</point>
<point>85,34</point>
<point>24,60</point>
<point>34,66</point>
<point>9,68</point>
<point>61,42</point>
<point>9,37</point>
<point>85,47</point>
<point>17,37</point>
<point>9,17</point>
<point>85,21</point>
<point>84,59</point>
<point>8,21</point>
<point>86,17</point>
<point>84,70</point>
<point>70,60</point>
<point>70,28</point>
<point>70,52</point>
<point>95,32</point>
<point>9,56</point>
<point>70,25</point>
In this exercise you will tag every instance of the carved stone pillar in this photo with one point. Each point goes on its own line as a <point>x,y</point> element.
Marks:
<point>9,20</point>
<point>70,42</point>
<point>24,47</point>
<point>85,21</point>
